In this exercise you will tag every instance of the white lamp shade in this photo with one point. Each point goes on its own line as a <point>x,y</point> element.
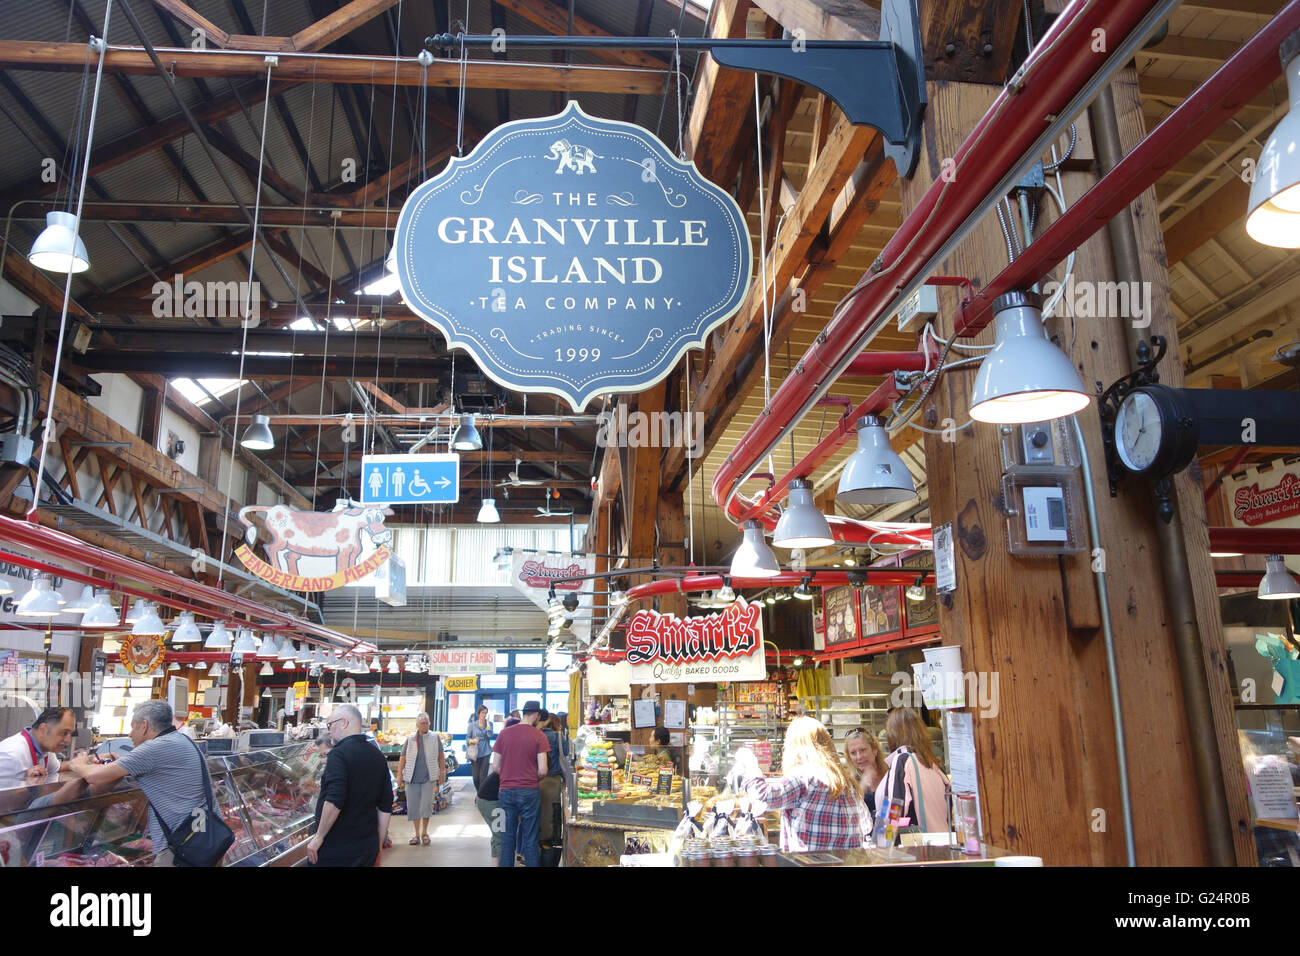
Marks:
<point>101,613</point>
<point>874,474</point>
<point>286,651</point>
<point>201,666</point>
<point>803,592</point>
<point>136,611</point>
<point>266,670</point>
<point>257,436</point>
<point>81,604</point>
<point>173,666</point>
<point>1273,211</point>
<point>41,600</point>
<point>58,248</point>
<point>466,436</point>
<point>318,656</point>
<point>266,692</point>
<point>187,632</point>
<point>393,666</point>
<point>725,595</point>
<point>219,638</point>
<point>1277,583</point>
<point>304,653</point>
<point>374,663</point>
<point>244,643</point>
<point>487,514</point>
<point>754,559</point>
<point>216,670</point>
<point>150,624</point>
<point>1025,378</point>
<point>801,524</point>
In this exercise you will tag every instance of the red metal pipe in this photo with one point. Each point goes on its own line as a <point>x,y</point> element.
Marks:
<point>1256,540</point>
<point>1250,70</point>
<point>882,363</point>
<point>882,577</point>
<point>1238,579</point>
<point>1060,66</point>
<point>209,601</point>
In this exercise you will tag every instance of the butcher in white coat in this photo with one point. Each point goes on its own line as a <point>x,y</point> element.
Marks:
<point>31,754</point>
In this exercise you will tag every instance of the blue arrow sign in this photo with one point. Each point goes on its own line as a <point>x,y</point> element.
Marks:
<point>410,479</point>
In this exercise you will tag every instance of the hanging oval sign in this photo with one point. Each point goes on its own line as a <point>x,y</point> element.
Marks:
<point>572,255</point>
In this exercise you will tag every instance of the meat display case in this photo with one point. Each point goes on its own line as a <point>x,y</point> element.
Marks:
<point>267,797</point>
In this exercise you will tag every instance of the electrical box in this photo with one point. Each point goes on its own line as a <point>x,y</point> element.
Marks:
<point>1042,489</point>
<point>16,449</point>
<point>922,304</point>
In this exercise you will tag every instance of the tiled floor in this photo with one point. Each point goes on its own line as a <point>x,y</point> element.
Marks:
<point>458,836</point>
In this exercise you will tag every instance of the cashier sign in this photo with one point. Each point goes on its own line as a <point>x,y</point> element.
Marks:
<point>665,649</point>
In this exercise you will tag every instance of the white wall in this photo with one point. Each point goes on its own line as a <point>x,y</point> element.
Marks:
<point>172,422</point>
<point>120,400</point>
<point>13,302</point>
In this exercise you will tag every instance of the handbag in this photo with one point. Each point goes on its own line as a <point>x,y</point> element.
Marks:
<point>203,837</point>
<point>901,792</point>
<point>471,747</point>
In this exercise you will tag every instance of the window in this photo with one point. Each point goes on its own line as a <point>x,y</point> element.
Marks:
<point>528,660</point>
<point>558,681</point>
<point>530,682</point>
<point>503,660</point>
<point>203,390</point>
<point>494,681</point>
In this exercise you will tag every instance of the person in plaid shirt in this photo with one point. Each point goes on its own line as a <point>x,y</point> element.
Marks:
<point>821,806</point>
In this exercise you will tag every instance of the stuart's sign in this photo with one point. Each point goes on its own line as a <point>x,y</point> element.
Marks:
<point>663,648</point>
<point>1252,505</point>
<point>572,255</point>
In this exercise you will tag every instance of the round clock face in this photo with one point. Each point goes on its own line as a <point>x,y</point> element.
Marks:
<point>1139,431</point>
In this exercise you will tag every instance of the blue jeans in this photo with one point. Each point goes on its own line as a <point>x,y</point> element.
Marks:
<point>522,809</point>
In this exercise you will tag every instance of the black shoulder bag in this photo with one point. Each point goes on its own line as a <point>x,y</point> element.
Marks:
<point>203,837</point>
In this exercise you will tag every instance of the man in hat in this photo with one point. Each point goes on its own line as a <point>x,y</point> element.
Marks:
<point>519,757</point>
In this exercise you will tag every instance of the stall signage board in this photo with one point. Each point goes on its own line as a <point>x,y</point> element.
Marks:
<point>1254,506</point>
<point>462,662</point>
<point>535,575</point>
<point>461,684</point>
<point>572,255</point>
<point>410,479</point>
<point>313,550</point>
<point>665,649</point>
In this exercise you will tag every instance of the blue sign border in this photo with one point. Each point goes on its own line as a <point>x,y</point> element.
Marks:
<point>490,347</point>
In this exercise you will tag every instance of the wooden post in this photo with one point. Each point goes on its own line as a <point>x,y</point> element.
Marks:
<point>1046,749</point>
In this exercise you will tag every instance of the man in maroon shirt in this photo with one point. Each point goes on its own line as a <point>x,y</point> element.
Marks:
<point>519,756</point>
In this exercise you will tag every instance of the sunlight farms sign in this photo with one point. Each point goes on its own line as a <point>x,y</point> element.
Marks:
<point>572,255</point>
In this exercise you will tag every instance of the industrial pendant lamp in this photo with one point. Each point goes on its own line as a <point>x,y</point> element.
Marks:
<point>725,595</point>
<point>41,600</point>
<point>216,671</point>
<point>874,474</point>
<point>58,248</point>
<point>1025,378</point>
<point>218,639</point>
<point>915,592</point>
<point>187,632</point>
<point>1277,583</point>
<point>101,614</point>
<point>393,666</point>
<point>804,592</point>
<point>488,514</point>
<point>137,611</point>
<point>266,670</point>
<point>466,436</point>
<point>1273,211</point>
<point>150,624</point>
<point>82,604</point>
<point>374,664</point>
<point>801,524</point>
<point>304,653</point>
<point>286,651</point>
<point>257,436</point>
<point>754,559</point>
<point>244,643</point>
<point>201,665</point>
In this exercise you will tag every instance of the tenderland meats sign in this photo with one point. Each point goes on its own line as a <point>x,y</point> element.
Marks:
<point>572,255</point>
<point>335,542</point>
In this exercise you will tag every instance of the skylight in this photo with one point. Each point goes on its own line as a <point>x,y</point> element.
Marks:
<point>194,389</point>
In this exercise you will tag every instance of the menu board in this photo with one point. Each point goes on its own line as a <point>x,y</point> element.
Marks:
<point>841,616</point>
<point>880,614</point>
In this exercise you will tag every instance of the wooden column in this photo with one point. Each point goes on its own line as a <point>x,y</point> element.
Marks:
<point>1049,782</point>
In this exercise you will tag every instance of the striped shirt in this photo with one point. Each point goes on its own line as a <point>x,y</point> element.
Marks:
<point>811,819</point>
<point>167,768</point>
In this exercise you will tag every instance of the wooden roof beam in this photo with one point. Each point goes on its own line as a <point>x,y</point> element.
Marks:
<point>186,14</point>
<point>825,19</point>
<point>556,21</point>
<point>338,24</point>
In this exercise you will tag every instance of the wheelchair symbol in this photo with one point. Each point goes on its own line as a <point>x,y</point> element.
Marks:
<point>419,487</point>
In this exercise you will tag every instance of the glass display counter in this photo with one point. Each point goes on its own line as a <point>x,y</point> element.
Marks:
<point>267,797</point>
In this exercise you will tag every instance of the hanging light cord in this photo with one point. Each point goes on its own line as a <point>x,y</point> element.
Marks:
<point>47,431</point>
<point>762,247</point>
<point>243,344</point>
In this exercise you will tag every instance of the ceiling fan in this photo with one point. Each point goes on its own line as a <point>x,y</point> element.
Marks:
<point>514,481</point>
<point>546,511</point>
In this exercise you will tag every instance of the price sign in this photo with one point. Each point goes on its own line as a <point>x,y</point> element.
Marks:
<point>641,781</point>
<point>665,787</point>
<point>605,781</point>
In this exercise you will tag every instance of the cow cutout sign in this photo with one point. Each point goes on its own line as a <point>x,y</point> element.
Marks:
<point>333,544</point>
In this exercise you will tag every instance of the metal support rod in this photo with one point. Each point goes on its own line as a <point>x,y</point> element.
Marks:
<point>443,41</point>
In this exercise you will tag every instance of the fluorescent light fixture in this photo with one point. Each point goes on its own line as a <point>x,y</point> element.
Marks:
<point>257,436</point>
<point>466,436</point>
<point>1025,378</point>
<point>754,559</point>
<point>1273,210</point>
<point>58,248</point>
<point>801,524</point>
<point>1225,554</point>
<point>487,514</point>
<point>874,474</point>
<point>1277,583</point>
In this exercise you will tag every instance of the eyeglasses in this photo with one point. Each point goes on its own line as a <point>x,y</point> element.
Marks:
<point>855,732</point>
<point>330,723</point>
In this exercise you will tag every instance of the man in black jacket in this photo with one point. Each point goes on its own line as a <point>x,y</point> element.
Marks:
<point>356,796</point>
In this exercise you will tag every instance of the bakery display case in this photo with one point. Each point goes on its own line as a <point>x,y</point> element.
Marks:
<point>267,797</point>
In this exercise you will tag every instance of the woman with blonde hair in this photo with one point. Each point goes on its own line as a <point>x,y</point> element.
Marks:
<point>924,785</point>
<point>864,757</point>
<point>820,803</point>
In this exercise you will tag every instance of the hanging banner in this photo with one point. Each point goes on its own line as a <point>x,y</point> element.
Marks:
<point>1252,505</point>
<point>666,649</point>
<point>462,662</point>
<point>572,255</point>
<point>142,654</point>
<point>535,574</point>
<point>331,543</point>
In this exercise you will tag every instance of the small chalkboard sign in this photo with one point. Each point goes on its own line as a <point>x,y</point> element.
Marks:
<point>641,781</point>
<point>665,787</point>
<point>605,780</point>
